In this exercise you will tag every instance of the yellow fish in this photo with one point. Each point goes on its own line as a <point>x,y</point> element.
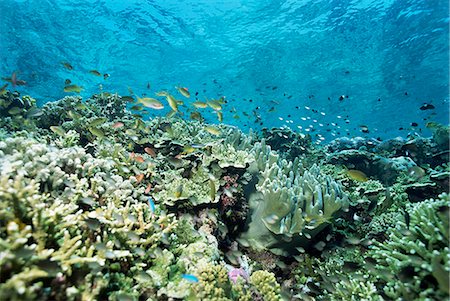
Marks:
<point>95,72</point>
<point>196,116</point>
<point>179,191</point>
<point>97,121</point>
<point>220,116</point>
<point>356,175</point>
<point>97,132</point>
<point>200,104</point>
<point>67,65</point>
<point>151,103</point>
<point>172,102</point>
<point>3,89</point>
<point>184,91</point>
<point>73,88</point>
<point>58,130</point>
<point>215,105</point>
<point>161,93</point>
<point>212,130</point>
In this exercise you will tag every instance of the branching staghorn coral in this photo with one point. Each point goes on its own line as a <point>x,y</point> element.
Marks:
<point>414,262</point>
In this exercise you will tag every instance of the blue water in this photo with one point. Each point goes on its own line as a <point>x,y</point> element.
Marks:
<point>388,57</point>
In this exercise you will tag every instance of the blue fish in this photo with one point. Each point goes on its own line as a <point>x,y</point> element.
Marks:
<point>151,204</point>
<point>190,277</point>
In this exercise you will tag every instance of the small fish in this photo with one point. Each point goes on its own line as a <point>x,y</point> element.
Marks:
<point>139,159</point>
<point>188,149</point>
<point>212,130</point>
<point>128,98</point>
<point>148,85</point>
<point>150,151</point>
<point>179,191</point>
<point>350,266</point>
<point>212,192</point>
<point>58,130</point>
<point>407,218</point>
<point>364,128</point>
<point>196,116</point>
<point>92,223</point>
<point>67,65</point>
<point>151,205</point>
<point>170,114</point>
<point>432,125</point>
<point>67,82</point>
<point>161,93</point>
<point>172,102</point>
<point>190,278</point>
<point>14,111</point>
<point>73,115</point>
<point>200,104</point>
<point>14,79</point>
<point>215,105</point>
<point>139,177</point>
<point>3,89</point>
<point>97,121</point>
<point>117,125</point>
<point>137,107</point>
<point>105,76</point>
<point>96,132</point>
<point>34,112</point>
<point>357,175</point>
<point>427,106</point>
<point>95,72</point>
<point>220,116</point>
<point>151,103</point>
<point>73,88</point>
<point>149,187</point>
<point>416,171</point>
<point>184,91</point>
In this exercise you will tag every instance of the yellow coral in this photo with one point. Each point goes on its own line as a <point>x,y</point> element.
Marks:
<point>266,285</point>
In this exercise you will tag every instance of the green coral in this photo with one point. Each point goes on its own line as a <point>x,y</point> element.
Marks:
<point>291,205</point>
<point>414,261</point>
<point>266,285</point>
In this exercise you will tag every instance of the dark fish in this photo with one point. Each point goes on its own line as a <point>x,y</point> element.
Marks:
<point>350,266</point>
<point>364,128</point>
<point>407,219</point>
<point>414,124</point>
<point>342,97</point>
<point>406,274</point>
<point>67,65</point>
<point>427,106</point>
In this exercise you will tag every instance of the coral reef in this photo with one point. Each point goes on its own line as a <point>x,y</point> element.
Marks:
<point>98,204</point>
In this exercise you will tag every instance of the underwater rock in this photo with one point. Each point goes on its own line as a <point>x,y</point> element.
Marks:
<point>356,143</point>
<point>288,143</point>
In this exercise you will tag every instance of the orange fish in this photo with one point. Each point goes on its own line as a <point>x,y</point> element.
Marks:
<point>139,159</point>
<point>147,190</point>
<point>139,177</point>
<point>117,125</point>
<point>150,151</point>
